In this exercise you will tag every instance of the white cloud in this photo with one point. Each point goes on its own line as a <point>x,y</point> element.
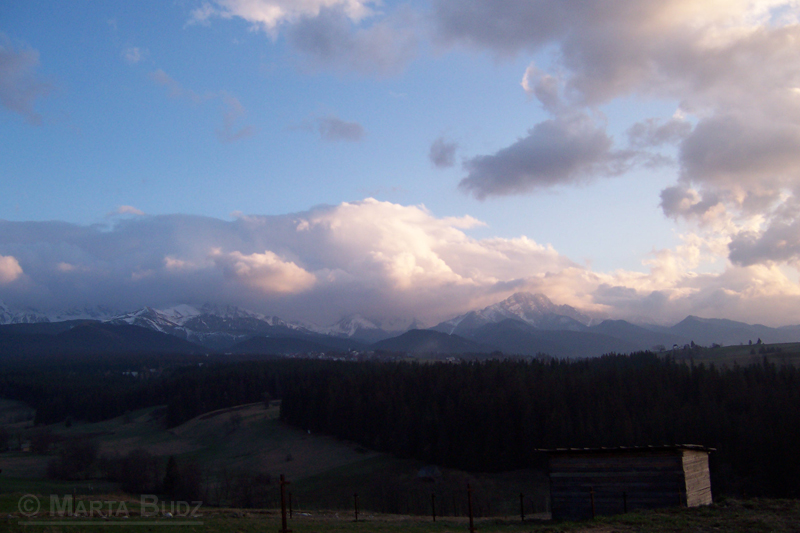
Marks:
<point>384,260</point>
<point>265,272</point>
<point>729,67</point>
<point>9,269</point>
<point>268,15</point>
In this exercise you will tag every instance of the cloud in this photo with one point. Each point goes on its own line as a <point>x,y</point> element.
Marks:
<point>334,129</point>
<point>383,260</point>
<point>727,68</point>
<point>175,89</point>
<point>126,210</point>
<point>133,54</point>
<point>9,269</point>
<point>265,272</point>
<point>20,85</point>
<point>443,153</point>
<point>268,15</point>
<point>654,132</point>
<point>329,39</point>
<point>555,152</point>
<point>233,110</point>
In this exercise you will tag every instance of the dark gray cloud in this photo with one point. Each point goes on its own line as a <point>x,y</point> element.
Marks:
<point>20,85</point>
<point>442,153</point>
<point>743,150</point>
<point>331,40</point>
<point>561,151</point>
<point>334,129</point>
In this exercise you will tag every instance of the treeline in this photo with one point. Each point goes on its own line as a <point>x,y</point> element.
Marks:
<point>492,416</point>
<point>97,388</point>
<point>476,416</point>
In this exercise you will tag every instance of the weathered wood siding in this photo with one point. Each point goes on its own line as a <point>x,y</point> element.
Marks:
<point>698,479</point>
<point>626,480</point>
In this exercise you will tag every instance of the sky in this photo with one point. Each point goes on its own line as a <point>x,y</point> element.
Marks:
<point>313,159</point>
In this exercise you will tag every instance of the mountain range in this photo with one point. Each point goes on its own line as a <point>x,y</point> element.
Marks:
<point>523,324</point>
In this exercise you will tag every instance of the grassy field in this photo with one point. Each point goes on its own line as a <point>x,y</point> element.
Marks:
<point>744,354</point>
<point>728,516</point>
<point>325,472</point>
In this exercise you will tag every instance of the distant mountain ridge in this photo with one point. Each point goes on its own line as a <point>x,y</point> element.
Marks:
<point>523,324</point>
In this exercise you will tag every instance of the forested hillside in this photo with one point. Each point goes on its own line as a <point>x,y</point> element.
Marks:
<point>479,416</point>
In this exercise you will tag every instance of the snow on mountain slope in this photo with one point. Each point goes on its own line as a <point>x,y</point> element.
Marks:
<point>27,316</point>
<point>534,309</point>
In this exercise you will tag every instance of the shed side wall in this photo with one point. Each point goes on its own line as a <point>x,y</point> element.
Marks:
<point>617,481</point>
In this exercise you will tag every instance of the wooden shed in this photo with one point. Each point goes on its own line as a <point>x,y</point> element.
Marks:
<point>585,482</point>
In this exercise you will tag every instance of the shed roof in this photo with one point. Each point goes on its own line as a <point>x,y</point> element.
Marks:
<point>624,449</point>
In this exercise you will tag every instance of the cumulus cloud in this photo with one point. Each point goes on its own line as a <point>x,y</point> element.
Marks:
<point>377,258</point>
<point>265,271</point>
<point>729,67</point>
<point>332,128</point>
<point>20,85</point>
<point>9,269</point>
<point>443,153</point>
<point>555,152</point>
<point>383,260</point>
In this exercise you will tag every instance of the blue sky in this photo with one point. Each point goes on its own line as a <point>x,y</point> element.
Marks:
<point>649,152</point>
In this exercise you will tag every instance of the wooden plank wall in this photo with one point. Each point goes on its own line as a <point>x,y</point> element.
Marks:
<point>618,480</point>
<point>698,479</point>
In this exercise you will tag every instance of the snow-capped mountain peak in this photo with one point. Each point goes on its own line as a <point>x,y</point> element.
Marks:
<point>349,325</point>
<point>534,309</point>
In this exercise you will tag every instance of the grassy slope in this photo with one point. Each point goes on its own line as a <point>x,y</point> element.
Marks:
<point>325,472</point>
<point>740,355</point>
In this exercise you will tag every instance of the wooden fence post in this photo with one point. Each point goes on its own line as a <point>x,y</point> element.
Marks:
<point>284,528</point>
<point>469,508</point>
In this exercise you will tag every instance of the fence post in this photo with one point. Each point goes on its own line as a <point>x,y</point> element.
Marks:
<point>355,499</point>
<point>591,494</point>
<point>625,502</point>
<point>522,506</point>
<point>290,504</point>
<point>433,505</point>
<point>284,528</point>
<point>469,508</point>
